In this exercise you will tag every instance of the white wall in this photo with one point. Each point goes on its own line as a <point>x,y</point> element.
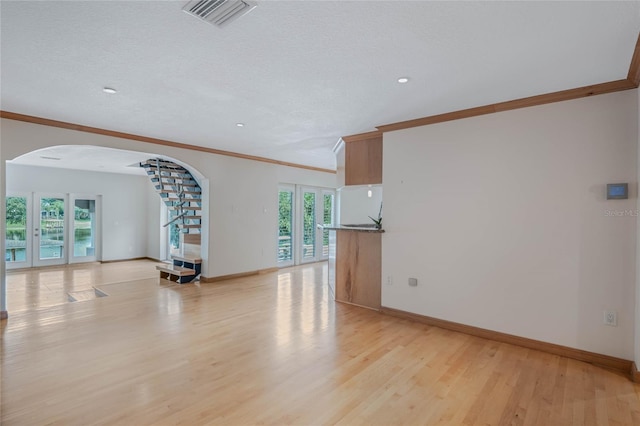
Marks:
<point>503,220</point>
<point>124,202</point>
<point>242,201</point>
<point>156,234</point>
<point>355,206</point>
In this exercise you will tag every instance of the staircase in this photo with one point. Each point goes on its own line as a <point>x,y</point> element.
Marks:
<point>182,195</point>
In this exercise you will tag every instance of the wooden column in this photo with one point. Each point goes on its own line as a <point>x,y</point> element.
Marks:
<point>358,268</point>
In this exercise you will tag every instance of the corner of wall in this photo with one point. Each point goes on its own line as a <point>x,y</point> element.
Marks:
<point>636,324</point>
<point>3,283</point>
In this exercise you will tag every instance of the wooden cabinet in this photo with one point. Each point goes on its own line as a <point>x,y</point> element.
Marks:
<point>355,267</point>
<point>363,159</point>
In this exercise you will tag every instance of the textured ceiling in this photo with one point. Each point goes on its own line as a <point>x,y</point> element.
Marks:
<point>299,74</point>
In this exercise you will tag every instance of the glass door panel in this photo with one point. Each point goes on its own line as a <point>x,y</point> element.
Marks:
<point>327,219</point>
<point>17,245</point>
<point>84,230</point>
<point>49,231</point>
<point>308,226</point>
<point>285,226</point>
<point>173,234</point>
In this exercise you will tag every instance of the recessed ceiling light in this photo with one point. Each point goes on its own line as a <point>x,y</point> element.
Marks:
<point>403,80</point>
<point>240,124</point>
<point>109,90</point>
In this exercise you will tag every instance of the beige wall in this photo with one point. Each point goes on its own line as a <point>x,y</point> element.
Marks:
<point>503,220</point>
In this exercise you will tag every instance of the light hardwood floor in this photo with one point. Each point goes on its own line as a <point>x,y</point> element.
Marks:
<point>41,287</point>
<point>274,349</point>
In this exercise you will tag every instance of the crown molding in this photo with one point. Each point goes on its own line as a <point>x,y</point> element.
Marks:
<point>634,68</point>
<point>631,82</point>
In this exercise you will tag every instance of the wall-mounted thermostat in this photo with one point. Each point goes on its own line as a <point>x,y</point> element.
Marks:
<point>617,191</point>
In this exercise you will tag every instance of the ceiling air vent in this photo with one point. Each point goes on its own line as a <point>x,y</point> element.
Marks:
<point>218,12</point>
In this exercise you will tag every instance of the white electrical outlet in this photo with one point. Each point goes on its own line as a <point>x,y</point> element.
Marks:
<point>389,280</point>
<point>610,318</point>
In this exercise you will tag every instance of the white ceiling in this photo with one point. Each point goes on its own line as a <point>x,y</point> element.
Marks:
<point>299,74</point>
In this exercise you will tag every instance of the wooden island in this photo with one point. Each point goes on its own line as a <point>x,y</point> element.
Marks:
<point>355,257</point>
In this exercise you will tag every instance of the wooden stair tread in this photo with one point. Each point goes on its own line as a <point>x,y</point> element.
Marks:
<point>164,168</point>
<point>183,182</point>
<point>187,208</point>
<point>169,186</point>
<point>165,163</point>
<point>176,270</point>
<point>170,180</point>
<point>186,202</point>
<point>154,172</point>
<point>189,225</point>
<point>194,260</point>
<point>171,191</point>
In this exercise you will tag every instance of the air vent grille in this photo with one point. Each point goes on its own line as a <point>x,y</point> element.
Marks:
<point>218,12</point>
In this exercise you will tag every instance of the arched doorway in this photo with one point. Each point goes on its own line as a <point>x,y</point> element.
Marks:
<point>100,194</point>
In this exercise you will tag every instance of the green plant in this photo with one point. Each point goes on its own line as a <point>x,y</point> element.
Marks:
<point>378,221</point>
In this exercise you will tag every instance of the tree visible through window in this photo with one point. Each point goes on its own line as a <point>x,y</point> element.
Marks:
<point>327,220</point>
<point>16,229</point>
<point>309,230</point>
<point>285,225</point>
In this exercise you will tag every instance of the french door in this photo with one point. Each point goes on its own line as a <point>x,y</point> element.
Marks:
<point>45,229</point>
<point>316,209</point>
<point>301,211</point>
